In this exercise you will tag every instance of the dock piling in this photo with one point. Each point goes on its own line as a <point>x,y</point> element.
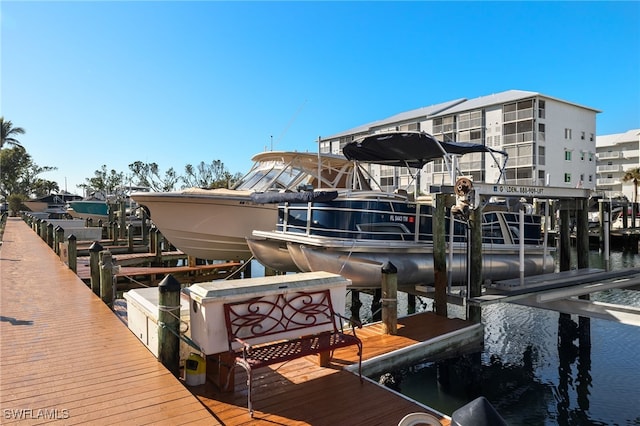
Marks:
<point>94,266</point>
<point>73,253</point>
<point>106,277</point>
<point>49,234</point>
<point>389,299</point>
<point>130,237</point>
<point>440,256</point>
<point>169,323</point>
<point>59,238</point>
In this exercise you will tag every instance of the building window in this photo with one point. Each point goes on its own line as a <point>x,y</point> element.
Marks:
<point>387,181</point>
<point>591,156</point>
<point>567,155</point>
<point>470,120</point>
<point>325,147</point>
<point>567,178</point>
<point>444,125</point>
<point>582,155</point>
<point>541,132</point>
<point>590,178</point>
<point>591,137</point>
<point>567,133</point>
<point>541,108</point>
<point>541,151</point>
<point>582,135</point>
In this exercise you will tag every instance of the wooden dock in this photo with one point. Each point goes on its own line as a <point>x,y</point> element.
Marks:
<point>67,357</point>
<point>129,277</point>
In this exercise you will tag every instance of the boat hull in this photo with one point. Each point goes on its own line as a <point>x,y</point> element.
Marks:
<point>212,226</point>
<point>276,252</point>
<point>362,263</point>
<point>365,269</point>
<point>94,210</point>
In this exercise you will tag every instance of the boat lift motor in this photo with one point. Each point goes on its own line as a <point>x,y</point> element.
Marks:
<point>464,194</point>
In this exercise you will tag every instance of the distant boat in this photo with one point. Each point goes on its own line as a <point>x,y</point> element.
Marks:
<point>96,206</point>
<point>354,233</point>
<point>213,224</point>
<point>52,205</point>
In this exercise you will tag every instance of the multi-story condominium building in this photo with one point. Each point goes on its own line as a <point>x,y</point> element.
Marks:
<point>549,141</point>
<point>616,154</point>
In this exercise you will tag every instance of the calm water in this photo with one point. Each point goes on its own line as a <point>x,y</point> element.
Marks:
<point>534,369</point>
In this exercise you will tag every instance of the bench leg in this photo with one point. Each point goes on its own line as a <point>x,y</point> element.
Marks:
<point>249,386</point>
<point>218,368</point>
<point>247,368</point>
<point>324,358</point>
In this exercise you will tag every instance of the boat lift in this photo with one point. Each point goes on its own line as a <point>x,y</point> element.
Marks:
<point>557,291</point>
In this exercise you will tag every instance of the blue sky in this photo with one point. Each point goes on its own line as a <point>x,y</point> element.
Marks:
<point>178,83</point>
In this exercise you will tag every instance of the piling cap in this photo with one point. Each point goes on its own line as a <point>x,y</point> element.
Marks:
<point>95,247</point>
<point>169,284</point>
<point>389,268</point>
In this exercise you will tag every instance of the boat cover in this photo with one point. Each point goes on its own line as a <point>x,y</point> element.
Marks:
<point>407,149</point>
<point>293,197</point>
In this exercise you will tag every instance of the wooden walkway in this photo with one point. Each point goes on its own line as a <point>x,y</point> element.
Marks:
<point>66,356</point>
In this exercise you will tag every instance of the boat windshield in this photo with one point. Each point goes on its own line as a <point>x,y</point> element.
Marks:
<point>270,175</point>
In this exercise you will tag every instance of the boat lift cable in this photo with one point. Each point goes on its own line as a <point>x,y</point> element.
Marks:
<point>286,128</point>
<point>180,335</point>
<point>241,268</point>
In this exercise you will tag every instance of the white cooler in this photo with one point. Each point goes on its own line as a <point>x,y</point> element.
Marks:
<point>142,318</point>
<point>206,311</point>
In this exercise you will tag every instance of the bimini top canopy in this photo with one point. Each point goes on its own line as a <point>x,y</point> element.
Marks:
<point>407,149</point>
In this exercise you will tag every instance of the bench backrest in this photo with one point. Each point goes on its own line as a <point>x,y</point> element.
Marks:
<point>260,319</point>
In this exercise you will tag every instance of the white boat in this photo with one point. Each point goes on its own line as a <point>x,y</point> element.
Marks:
<point>52,205</point>
<point>357,232</point>
<point>213,224</point>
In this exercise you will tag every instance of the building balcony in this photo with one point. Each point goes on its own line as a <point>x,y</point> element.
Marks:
<point>608,155</point>
<point>609,168</point>
<point>523,114</point>
<point>517,138</point>
<point>608,181</point>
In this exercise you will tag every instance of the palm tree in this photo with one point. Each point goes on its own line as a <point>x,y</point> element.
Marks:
<point>633,175</point>
<point>7,132</point>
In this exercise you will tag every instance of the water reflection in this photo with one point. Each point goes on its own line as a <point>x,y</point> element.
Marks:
<point>539,367</point>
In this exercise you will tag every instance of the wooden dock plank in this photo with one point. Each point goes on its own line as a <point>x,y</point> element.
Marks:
<point>64,349</point>
<point>288,390</point>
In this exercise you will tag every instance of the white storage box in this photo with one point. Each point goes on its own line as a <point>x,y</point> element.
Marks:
<point>142,318</point>
<point>206,310</point>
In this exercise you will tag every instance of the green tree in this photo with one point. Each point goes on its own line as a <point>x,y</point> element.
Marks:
<point>633,175</point>
<point>42,187</point>
<point>20,174</point>
<point>7,133</point>
<point>148,174</point>
<point>214,175</point>
<point>106,181</point>
<point>15,203</point>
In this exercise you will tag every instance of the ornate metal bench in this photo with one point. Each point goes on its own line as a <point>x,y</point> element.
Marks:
<point>256,327</point>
